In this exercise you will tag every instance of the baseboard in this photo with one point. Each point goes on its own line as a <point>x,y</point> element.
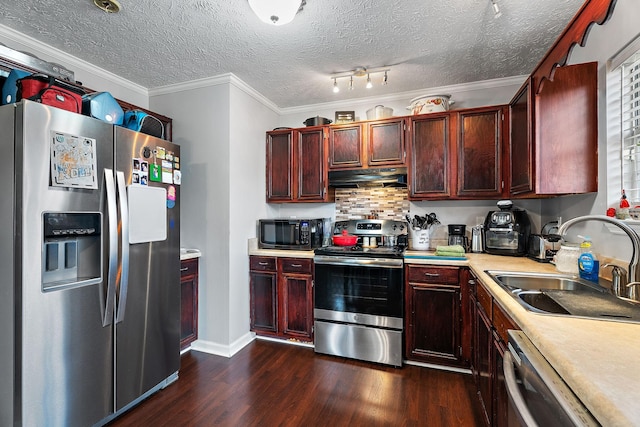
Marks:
<point>440,367</point>
<point>217,349</point>
<point>290,342</point>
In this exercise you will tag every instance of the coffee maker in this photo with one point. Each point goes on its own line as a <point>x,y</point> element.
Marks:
<point>458,235</point>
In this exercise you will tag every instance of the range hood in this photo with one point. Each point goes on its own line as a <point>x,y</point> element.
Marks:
<point>382,177</point>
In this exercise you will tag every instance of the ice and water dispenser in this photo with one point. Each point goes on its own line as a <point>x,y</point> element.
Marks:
<point>71,249</point>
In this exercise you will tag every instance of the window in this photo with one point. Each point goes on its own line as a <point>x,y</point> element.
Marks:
<point>630,129</point>
<point>624,117</point>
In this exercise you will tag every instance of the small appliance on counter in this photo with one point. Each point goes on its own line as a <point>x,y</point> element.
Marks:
<point>477,238</point>
<point>458,235</point>
<point>507,231</point>
<point>543,246</point>
<point>292,234</point>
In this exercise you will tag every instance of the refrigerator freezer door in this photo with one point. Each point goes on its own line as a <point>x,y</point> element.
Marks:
<point>63,354</point>
<point>148,334</point>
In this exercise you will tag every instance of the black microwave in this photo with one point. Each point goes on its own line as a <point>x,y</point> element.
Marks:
<point>296,234</point>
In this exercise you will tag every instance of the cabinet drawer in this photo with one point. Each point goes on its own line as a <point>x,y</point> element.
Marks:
<point>502,322</point>
<point>295,265</point>
<point>484,298</point>
<point>262,263</point>
<point>426,274</point>
<point>188,267</point>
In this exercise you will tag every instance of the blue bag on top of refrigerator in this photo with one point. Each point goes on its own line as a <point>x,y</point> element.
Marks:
<point>142,122</point>
<point>102,106</point>
<point>10,87</point>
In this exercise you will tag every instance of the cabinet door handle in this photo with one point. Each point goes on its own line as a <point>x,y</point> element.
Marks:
<point>432,274</point>
<point>296,265</point>
<point>263,263</point>
<point>184,268</point>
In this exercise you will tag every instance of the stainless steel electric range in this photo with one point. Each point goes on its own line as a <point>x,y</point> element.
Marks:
<point>358,293</point>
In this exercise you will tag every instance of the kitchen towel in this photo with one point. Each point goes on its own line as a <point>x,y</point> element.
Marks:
<point>451,250</point>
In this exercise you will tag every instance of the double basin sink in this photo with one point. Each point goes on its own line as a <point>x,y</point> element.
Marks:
<point>559,294</point>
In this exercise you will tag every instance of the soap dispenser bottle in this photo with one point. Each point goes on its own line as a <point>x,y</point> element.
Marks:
<point>588,264</point>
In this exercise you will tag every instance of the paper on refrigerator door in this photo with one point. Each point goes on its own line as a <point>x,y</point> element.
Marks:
<point>147,214</point>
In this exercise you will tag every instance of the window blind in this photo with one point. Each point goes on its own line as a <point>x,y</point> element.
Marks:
<point>630,110</point>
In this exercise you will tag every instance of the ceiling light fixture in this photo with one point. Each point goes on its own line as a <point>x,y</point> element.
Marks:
<point>360,72</point>
<point>109,6</point>
<point>276,12</point>
<point>496,9</point>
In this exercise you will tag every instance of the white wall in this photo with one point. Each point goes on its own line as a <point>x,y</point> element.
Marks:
<point>603,42</point>
<point>201,120</point>
<point>249,118</point>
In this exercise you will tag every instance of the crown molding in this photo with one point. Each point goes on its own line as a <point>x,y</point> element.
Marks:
<point>223,79</point>
<point>401,96</point>
<point>38,48</point>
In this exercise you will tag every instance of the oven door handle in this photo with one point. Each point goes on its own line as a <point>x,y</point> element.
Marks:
<point>515,396</point>
<point>358,261</point>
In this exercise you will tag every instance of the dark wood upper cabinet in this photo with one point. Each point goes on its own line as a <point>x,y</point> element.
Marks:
<point>346,146</point>
<point>296,166</point>
<point>553,144</point>
<point>311,160</point>
<point>386,142</point>
<point>521,151</point>
<point>429,156</point>
<point>280,166</point>
<point>480,152</point>
<point>566,132</point>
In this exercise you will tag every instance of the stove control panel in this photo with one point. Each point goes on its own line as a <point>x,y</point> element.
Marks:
<point>371,227</point>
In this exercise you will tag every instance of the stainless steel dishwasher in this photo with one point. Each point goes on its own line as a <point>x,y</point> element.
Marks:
<point>537,394</point>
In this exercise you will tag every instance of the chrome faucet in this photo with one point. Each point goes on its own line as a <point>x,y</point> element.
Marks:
<point>633,271</point>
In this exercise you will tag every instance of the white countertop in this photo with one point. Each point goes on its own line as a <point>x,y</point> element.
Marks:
<point>188,253</point>
<point>599,360</point>
<point>281,253</point>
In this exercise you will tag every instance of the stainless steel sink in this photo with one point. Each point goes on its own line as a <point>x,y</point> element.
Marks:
<point>565,295</point>
<point>515,281</point>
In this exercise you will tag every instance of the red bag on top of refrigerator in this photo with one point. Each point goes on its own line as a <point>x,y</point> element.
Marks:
<point>50,91</point>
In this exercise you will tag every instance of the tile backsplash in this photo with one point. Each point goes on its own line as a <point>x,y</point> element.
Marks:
<point>386,202</point>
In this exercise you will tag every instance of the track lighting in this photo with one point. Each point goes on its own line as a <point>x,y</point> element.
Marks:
<point>360,72</point>
<point>496,9</point>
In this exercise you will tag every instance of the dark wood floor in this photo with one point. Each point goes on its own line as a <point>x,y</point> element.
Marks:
<point>273,384</point>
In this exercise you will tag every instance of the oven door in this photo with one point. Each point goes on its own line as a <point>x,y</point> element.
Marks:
<point>359,290</point>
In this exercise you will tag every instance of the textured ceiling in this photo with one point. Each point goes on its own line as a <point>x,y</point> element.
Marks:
<point>426,43</point>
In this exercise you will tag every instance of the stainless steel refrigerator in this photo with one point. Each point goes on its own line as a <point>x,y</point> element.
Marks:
<point>89,267</point>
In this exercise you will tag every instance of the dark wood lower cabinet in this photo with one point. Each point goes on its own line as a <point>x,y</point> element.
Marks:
<point>490,324</point>
<point>188,302</point>
<point>281,297</point>
<point>483,353</point>
<point>500,397</point>
<point>296,314</point>
<point>434,316</point>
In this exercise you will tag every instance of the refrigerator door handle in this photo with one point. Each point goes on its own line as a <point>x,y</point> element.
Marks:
<point>112,274</point>
<point>124,236</point>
